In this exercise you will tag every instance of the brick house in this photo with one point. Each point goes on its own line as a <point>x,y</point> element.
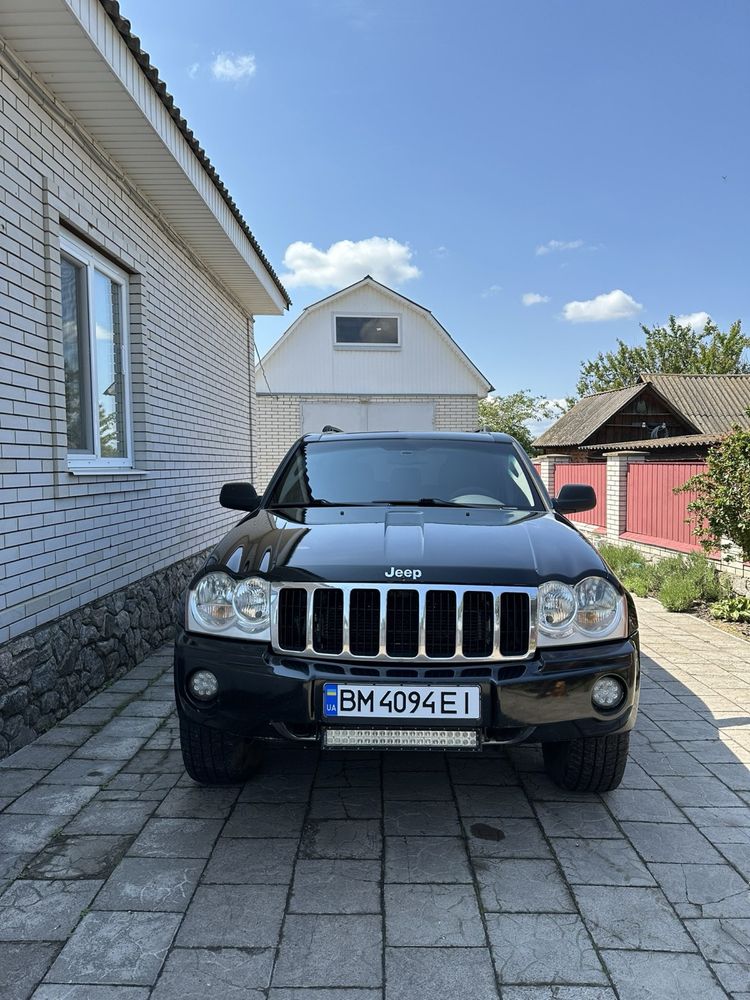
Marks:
<point>128,287</point>
<point>364,358</point>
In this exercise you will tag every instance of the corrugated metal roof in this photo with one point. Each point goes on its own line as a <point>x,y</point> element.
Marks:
<point>588,414</point>
<point>679,440</point>
<point>714,403</point>
<point>123,26</point>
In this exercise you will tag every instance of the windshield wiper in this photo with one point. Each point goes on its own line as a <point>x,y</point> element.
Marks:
<point>433,502</point>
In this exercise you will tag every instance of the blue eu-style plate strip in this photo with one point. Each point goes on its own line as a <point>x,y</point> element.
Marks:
<point>331,699</point>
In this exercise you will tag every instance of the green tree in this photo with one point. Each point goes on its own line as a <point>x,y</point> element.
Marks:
<point>512,414</point>
<point>675,348</point>
<point>722,504</point>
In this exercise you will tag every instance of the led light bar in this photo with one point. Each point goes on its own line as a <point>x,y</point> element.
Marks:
<point>377,739</point>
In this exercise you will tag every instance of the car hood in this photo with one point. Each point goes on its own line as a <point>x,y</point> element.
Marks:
<point>444,545</point>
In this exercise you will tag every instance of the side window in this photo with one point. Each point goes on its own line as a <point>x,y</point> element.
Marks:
<point>95,358</point>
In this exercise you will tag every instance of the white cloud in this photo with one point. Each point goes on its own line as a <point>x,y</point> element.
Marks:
<point>347,261</point>
<point>610,305</point>
<point>193,70</point>
<point>696,320</point>
<point>492,290</point>
<point>439,251</point>
<point>554,245</point>
<point>533,298</point>
<point>233,68</point>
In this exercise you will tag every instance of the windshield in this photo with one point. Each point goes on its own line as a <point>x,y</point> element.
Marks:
<point>403,471</point>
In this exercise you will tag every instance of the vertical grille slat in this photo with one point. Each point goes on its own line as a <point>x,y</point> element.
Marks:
<point>402,627</point>
<point>293,618</point>
<point>440,631</point>
<point>514,624</point>
<point>479,623</point>
<point>364,622</point>
<point>328,621</point>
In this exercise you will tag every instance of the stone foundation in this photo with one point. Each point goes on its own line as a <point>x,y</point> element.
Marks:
<point>47,673</point>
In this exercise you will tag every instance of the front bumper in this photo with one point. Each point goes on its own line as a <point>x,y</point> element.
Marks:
<point>268,695</point>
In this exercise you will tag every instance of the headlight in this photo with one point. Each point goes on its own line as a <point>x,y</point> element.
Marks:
<point>599,605</point>
<point>593,609</point>
<point>556,607</point>
<point>212,600</point>
<point>252,604</point>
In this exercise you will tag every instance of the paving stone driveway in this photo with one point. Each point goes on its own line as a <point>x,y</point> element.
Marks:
<point>418,877</point>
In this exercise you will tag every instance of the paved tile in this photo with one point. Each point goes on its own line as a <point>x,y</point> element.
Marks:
<point>601,862</point>
<point>15,781</point>
<point>439,974</point>
<point>197,973</point>
<point>506,838</point>
<point>432,916</point>
<point>250,819</point>
<point>336,886</point>
<point>44,910</point>
<point>522,886</point>
<point>329,951</point>
<point>52,800</point>
<point>350,838</point>
<point>557,992</point>
<point>60,991</point>
<point>79,856</point>
<point>704,890</point>
<point>233,916</point>
<point>426,859</point>
<point>421,819</point>
<point>542,947</point>
<point>194,802</point>
<point>26,834</point>
<point>160,884</point>
<point>643,805</point>
<point>83,772</point>
<point>345,803</point>
<point>176,838</point>
<point>659,842</point>
<point>241,862</point>
<point>22,966</point>
<point>660,976</point>
<point>631,918</point>
<point>337,994</point>
<point>110,817</point>
<point>576,819</point>
<point>126,948</point>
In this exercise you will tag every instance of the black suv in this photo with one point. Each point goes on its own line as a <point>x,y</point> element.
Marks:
<point>408,591</point>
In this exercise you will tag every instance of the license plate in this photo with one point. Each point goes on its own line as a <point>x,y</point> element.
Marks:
<point>400,701</point>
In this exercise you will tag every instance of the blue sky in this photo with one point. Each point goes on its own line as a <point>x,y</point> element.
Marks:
<point>572,150</point>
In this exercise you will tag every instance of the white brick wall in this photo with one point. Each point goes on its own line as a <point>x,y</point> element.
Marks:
<point>280,420</point>
<point>66,539</point>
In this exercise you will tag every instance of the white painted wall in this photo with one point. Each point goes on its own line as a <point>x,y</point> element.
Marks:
<point>426,362</point>
<point>367,416</point>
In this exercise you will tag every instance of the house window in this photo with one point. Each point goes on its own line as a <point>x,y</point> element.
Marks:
<point>95,357</point>
<point>366,331</point>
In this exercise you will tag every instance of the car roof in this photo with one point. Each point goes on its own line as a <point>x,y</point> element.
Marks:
<point>471,437</point>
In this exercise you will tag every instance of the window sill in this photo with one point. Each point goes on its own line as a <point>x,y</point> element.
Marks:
<point>98,470</point>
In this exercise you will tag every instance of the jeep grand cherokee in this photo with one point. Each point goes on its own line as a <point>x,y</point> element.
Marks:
<point>400,591</point>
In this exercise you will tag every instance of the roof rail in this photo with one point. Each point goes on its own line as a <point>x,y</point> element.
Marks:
<point>330,429</point>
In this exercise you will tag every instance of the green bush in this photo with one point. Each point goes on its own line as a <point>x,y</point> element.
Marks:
<point>684,580</point>
<point>734,608</point>
<point>679,593</point>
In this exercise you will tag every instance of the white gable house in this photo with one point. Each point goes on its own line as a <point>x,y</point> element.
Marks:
<point>364,358</point>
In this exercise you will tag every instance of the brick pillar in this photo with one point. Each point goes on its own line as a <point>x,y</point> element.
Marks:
<point>617,489</point>
<point>547,465</point>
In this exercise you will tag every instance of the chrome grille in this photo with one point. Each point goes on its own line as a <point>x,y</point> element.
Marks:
<point>415,623</point>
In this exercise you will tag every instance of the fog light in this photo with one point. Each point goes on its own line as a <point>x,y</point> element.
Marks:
<point>608,692</point>
<point>203,685</point>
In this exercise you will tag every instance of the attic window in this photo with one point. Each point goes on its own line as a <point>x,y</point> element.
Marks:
<point>366,331</point>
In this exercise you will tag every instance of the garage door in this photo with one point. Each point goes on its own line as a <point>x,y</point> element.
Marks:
<point>367,416</point>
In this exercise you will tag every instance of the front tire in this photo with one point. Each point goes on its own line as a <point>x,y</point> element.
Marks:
<point>213,757</point>
<point>591,764</point>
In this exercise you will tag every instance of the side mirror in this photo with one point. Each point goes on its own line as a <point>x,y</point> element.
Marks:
<point>239,496</point>
<point>574,498</point>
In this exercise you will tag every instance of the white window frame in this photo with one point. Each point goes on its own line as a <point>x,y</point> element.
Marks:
<point>85,255</point>
<point>366,347</point>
